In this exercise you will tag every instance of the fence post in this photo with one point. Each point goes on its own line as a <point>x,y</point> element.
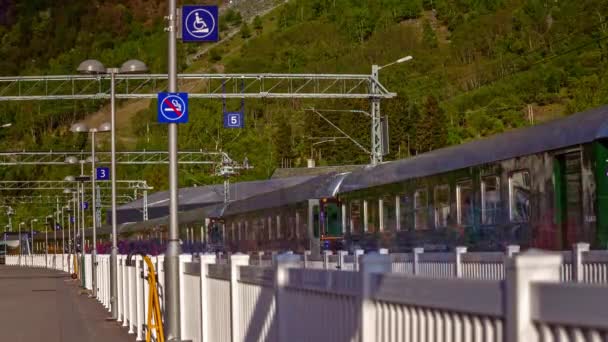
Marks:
<point>458,261</point>
<point>370,264</point>
<point>236,260</point>
<point>326,255</point>
<point>283,262</point>
<point>578,273</point>
<point>383,251</point>
<point>521,273</point>
<point>416,266</point>
<point>341,255</point>
<point>306,257</point>
<point>512,250</point>
<point>357,254</point>
<point>183,259</point>
<point>206,260</point>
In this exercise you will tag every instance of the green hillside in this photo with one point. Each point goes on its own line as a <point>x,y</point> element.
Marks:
<point>480,67</point>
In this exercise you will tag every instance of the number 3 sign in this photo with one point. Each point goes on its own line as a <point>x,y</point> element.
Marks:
<point>103,173</point>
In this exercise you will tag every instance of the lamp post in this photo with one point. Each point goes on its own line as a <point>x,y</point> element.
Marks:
<point>63,208</point>
<point>377,152</point>
<point>46,239</point>
<point>83,128</point>
<point>92,66</point>
<point>32,232</point>
<point>72,205</point>
<point>80,196</point>
<point>20,251</point>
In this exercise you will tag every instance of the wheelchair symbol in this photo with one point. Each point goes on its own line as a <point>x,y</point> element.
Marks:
<point>200,23</point>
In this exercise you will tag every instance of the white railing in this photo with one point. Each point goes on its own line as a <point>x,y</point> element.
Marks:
<point>579,265</point>
<point>457,296</point>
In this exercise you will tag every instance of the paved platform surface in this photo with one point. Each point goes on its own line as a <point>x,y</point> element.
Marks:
<point>38,305</point>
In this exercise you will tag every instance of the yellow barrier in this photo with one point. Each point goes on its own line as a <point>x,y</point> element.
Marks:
<point>155,320</point>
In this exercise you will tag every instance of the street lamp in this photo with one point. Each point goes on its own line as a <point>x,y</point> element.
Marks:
<point>71,243</point>
<point>377,134</point>
<point>83,128</point>
<point>92,66</point>
<point>20,241</point>
<point>9,213</point>
<point>46,238</point>
<point>79,210</point>
<point>32,232</point>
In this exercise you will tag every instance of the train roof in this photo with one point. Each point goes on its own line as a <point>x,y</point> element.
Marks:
<point>322,186</point>
<point>572,130</point>
<point>209,194</point>
<point>197,197</point>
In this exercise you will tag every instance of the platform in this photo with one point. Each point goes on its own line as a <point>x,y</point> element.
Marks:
<point>44,305</point>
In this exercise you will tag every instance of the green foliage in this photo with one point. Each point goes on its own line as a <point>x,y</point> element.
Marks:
<point>428,35</point>
<point>245,31</point>
<point>258,26</point>
<point>478,66</point>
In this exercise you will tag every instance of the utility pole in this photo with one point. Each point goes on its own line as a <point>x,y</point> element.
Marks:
<point>376,134</point>
<point>172,309</point>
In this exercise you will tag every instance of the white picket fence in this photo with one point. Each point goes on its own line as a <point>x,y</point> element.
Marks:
<point>399,297</point>
<point>580,264</point>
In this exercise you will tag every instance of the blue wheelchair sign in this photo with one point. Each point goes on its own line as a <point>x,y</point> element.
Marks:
<point>234,120</point>
<point>172,107</point>
<point>200,24</point>
<point>103,173</point>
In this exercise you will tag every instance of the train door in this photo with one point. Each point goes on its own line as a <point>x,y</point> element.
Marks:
<point>601,186</point>
<point>332,218</point>
<point>568,197</point>
<point>314,227</point>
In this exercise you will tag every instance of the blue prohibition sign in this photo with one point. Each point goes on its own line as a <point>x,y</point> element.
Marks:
<point>200,24</point>
<point>172,107</point>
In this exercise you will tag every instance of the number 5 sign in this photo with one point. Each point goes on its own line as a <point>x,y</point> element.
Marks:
<point>234,120</point>
<point>103,173</point>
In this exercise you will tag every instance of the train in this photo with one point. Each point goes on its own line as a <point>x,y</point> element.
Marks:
<point>543,186</point>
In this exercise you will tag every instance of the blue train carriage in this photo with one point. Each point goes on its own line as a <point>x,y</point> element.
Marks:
<point>306,216</point>
<point>543,186</point>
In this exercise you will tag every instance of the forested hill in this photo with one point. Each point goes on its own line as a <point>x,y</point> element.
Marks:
<point>480,67</point>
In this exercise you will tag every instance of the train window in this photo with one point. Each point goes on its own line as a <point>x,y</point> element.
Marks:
<point>421,203</point>
<point>298,223</point>
<point>373,217</point>
<point>354,216</point>
<point>405,212</point>
<point>464,203</point>
<point>291,226</point>
<point>269,228</point>
<point>316,220</point>
<point>519,196</point>
<point>490,199</point>
<point>442,205</point>
<point>389,213</point>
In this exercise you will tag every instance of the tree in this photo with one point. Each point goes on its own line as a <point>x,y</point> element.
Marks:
<point>428,34</point>
<point>245,31</point>
<point>257,24</point>
<point>431,130</point>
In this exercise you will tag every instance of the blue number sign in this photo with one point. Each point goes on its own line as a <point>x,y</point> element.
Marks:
<point>200,24</point>
<point>172,107</point>
<point>103,173</point>
<point>234,120</point>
